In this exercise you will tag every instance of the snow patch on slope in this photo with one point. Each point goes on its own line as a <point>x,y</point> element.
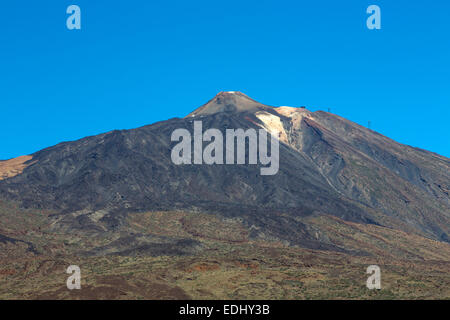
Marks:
<point>296,114</point>
<point>273,125</point>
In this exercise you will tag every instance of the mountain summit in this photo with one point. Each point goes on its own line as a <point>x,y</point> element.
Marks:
<point>229,101</point>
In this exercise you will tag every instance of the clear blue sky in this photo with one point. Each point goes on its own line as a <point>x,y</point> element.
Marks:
<point>138,62</point>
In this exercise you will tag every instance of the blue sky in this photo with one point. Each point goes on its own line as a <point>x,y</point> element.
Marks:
<point>137,62</point>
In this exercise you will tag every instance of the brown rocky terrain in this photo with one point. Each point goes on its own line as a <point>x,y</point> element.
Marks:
<point>344,197</point>
<point>13,167</point>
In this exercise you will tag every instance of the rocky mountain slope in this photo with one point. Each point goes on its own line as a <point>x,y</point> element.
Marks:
<point>328,165</point>
<point>344,197</point>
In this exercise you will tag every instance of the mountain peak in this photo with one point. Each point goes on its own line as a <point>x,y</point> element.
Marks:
<point>229,101</point>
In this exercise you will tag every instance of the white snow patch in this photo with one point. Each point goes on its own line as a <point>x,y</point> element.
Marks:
<point>273,125</point>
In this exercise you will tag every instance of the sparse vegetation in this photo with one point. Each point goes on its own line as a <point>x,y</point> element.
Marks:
<point>224,268</point>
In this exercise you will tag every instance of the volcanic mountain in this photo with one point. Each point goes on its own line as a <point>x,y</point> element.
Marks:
<point>330,168</point>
